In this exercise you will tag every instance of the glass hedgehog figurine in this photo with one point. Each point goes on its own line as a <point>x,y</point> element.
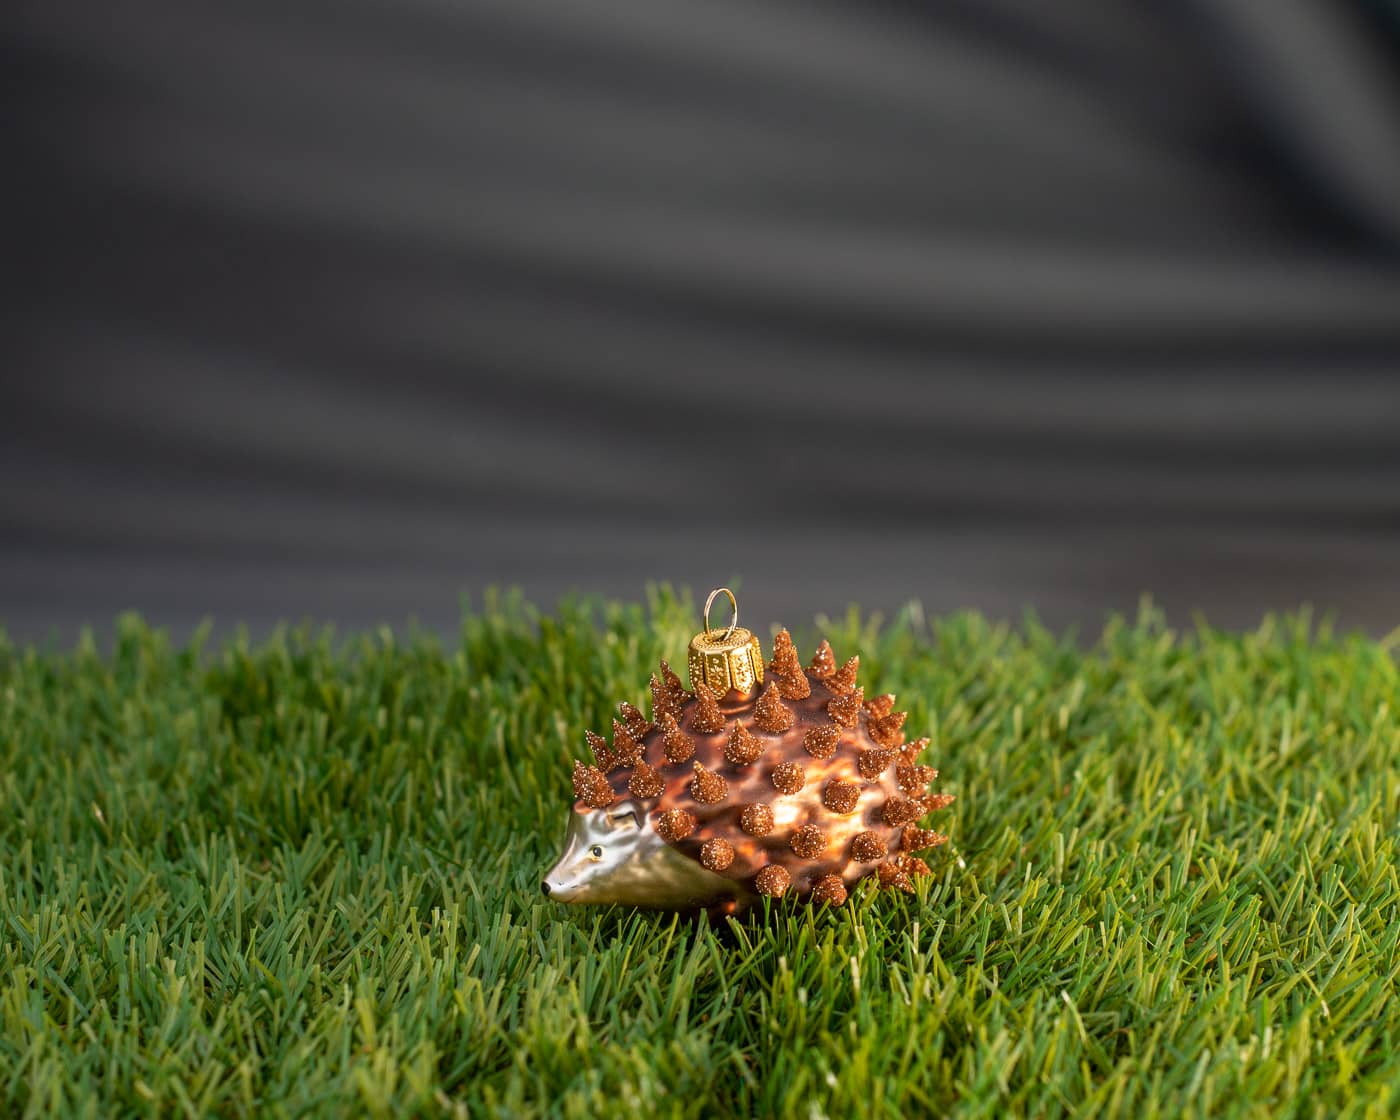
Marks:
<point>744,787</point>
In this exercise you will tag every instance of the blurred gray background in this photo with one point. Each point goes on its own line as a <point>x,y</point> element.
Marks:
<point>340,310</point>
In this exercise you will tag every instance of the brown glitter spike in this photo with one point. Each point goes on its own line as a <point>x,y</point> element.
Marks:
<point>591,787</point>
<point>674,825</point>
<point>829,889</point>
<point>707,787</point>
<point>646,781</point>
<point>822,741</point>
<point>785,660</point>
<point>716,854</point>
<point>872,762</point>
<point>602,753</point>
<point>914,865</point>
<point>845,710</point>
<point>842,682</point>
<point>932,802</point>
<point>742,748</point>
<point>793,686</point>
<point>706,717</point>
<point>914,838</point>
<point>867,847</point>
<point>679,746</point>
<point>638,726</point>
<point>808,842</point>
<point>893,875</point>
<point>625,747</point>
<point>823,661</point>
<point>662,703</point>
<point>912,749</point>
<point>756,819</point>
<point>900,810</point>
<point>772,881</point>
<point>840,796</point>
<point>770,713</point>
<point>673,684</point>
<point>912,778</point>
<point>880,706</point>
<point>788,777</point>
<point>886,730</point>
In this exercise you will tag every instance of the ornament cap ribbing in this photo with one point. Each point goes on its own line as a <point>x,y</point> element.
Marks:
<point>725,658</point>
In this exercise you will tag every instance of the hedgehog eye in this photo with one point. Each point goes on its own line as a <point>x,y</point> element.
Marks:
<point>595,853</point>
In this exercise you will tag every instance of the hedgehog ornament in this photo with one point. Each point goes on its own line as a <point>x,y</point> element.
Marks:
<point>750,784</point>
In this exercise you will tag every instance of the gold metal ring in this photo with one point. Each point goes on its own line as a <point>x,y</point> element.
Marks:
<point>734,603</point>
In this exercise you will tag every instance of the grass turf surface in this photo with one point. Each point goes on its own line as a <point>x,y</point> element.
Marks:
<point>303,877</point>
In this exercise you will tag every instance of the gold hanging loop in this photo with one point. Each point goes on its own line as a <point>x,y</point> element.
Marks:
<point>723,661</point>
<point>734,609</point>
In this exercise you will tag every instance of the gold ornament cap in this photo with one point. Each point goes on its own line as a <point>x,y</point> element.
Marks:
<point>725,659</point>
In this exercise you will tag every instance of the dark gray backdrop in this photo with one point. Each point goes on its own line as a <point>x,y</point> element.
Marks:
<point>339,309</point>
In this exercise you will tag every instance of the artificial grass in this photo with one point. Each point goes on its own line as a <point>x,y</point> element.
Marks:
<point>303,878</point>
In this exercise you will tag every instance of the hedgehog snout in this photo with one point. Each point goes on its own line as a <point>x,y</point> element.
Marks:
<point>568,880</point>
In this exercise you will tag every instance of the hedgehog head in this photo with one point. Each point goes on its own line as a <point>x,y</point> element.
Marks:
<point>616,855</point>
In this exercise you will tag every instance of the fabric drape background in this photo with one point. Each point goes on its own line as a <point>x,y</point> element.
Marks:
<point>338,310</point>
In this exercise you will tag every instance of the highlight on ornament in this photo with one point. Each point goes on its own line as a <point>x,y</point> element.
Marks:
<point>761,779</point>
